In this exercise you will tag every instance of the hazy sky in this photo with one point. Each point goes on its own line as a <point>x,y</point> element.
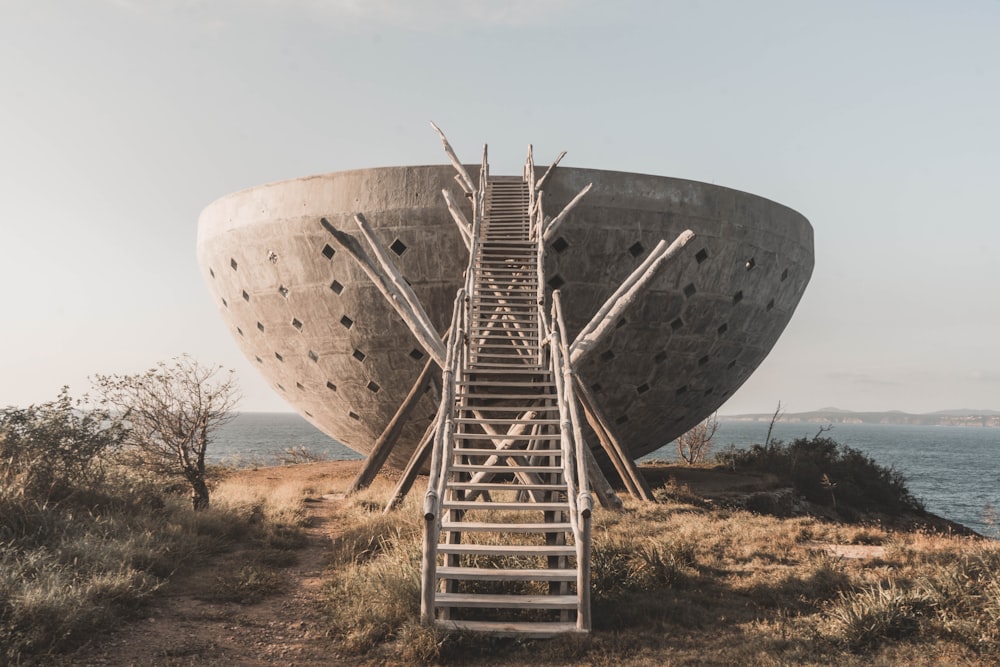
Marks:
<point>879,121</point>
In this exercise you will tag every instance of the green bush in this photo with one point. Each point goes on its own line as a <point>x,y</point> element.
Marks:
<point>827,473</point>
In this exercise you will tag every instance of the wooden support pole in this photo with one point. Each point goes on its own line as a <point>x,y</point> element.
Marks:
<point>417,461</point>
<point>553,225</point>
<point>464,228</point>
<point>540,181</point>
<point>607,316</point>
<point>459,167</point>
<point>630,474</point>
<point>385,443</point>
<point>599,483</point>
<point>609,448</point>
<point>421,329</point>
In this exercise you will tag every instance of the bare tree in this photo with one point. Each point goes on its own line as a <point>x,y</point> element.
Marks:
<point>172,410</point>
<point>694,445</point>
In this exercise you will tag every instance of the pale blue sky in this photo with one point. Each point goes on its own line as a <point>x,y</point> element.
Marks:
<point>121,119</point>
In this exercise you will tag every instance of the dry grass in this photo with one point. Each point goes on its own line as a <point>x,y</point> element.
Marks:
<point>682,583</point>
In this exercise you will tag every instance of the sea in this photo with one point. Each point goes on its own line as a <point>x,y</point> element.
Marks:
<point>954,470</point>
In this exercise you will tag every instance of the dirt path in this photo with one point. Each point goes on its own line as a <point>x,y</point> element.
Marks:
<point>281,629</point>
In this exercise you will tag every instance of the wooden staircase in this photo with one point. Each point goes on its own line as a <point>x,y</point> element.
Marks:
<point>506,551</point>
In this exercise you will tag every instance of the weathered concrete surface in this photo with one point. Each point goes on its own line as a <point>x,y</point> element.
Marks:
<point>328,343</point>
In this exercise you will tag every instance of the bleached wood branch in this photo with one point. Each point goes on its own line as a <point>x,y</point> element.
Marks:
<point>540,181</point>
<point>464,228</point>
<point>604,321</point>
<point>466,179</point>
<point>550,228</point>
<point>398,299</point>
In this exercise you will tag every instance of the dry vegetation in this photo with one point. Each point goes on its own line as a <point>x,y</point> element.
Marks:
<point>685,581</point>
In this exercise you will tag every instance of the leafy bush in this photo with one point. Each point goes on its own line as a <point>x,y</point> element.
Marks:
<point>827,473</point>
<point>51,451</point>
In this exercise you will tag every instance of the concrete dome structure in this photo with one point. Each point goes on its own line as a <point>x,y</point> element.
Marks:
<point>316,327</point>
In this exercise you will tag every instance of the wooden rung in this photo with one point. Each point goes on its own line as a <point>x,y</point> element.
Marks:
<point>509,549</point>
<point>504,436</point>
<point>483,600</point>
<point>507,453</point>
<point>508,506</point>
<point>501,486</point>
<point>536,630</point>
<point>505,574</point>
<point>471,467</point>
<point>486,527</point>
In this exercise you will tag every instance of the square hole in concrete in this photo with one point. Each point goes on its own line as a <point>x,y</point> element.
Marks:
<point>556,281</point>
<point>260,327</point>
<point>676,324</point>
<point>636,249</point>
<point>607,355</point>
<point>298,385</point>
<point>622,419</point>
<point>373,387</point>
<point>784,275</point>
<point>353,415</point>
<point>620,323</point>
<point>331,386</point>
<point>703,360</point>
<point>232,263</point>
<point>689,290</point>
<point>416,354</point>
<point>259,360</point>
<point>239,331</point>
<point>359,355</point>
<point>336,287</point>
<point>313,356</point>
<point>398,247</point>
<point>642,388</point>
<point>282,290</point>
<point>225,304</point>
<point>279,386</point>
<point>723,328</point>
<point>328,251</point>
<point>211,272</point>
<point>660,357</point>
<point>346,322</point>
<point>297,323</point>
<point>701,256</point>
<point>737,297</point>
<point>732,364</point>
<point>770,304</point>
<point>560,244</point>
<point>246,297</point>
<point>278,356</point>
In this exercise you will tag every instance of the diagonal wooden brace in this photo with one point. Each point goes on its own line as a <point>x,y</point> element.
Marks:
<point>398,293</point>
<point>603,323</point>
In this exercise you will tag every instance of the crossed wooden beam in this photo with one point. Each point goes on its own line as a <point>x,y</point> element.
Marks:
<point>390,282</point>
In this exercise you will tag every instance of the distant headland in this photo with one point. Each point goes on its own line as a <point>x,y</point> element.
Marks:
<point>837,416</point>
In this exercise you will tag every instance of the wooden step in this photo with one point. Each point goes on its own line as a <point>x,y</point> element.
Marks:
<point>484,527</point>
<point>471,467</point>
<point>506,453</point>
<point>508,549</point>
<point>504,486</point>
<point>506,506</point>
<point>494,601</point>
<point>505,574</point>
<point>528,629</point>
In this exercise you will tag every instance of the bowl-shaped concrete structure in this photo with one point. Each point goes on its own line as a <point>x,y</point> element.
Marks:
<point>323,336</point>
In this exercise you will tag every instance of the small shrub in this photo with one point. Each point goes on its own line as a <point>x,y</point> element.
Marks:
<point>827,473</point>
<point>866,617</point>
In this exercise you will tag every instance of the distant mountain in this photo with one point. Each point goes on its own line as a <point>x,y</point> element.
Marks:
<point>838,416</point>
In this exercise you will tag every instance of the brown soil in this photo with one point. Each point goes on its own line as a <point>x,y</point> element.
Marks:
<point>282,629</point>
